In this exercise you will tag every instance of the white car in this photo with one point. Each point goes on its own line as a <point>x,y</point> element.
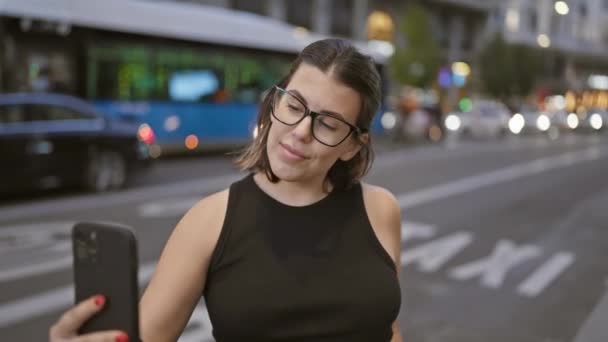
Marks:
<point>486,119</point>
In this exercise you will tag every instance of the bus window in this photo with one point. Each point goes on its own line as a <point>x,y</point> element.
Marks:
<point>193,85</point>
<point>166,73</point>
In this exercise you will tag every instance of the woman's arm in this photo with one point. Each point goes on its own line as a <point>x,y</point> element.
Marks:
<point>385,216</point>
<point>179,278</point>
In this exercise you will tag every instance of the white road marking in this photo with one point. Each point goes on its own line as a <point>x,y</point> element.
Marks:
<point>33,249</point>
<point>31,235</point>
<point>97,201</point>
<point>51,300</point>
<point>416,230</point>
<point>493,268</point>
<point>20,272</point>
<point>432,255</point>
<point>544,275</point>
<point>167,208</point>
<point>438,192</point>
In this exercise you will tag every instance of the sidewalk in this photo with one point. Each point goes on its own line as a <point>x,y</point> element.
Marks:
<point>595,328</point>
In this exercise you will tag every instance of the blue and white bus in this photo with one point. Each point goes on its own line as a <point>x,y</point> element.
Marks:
<point>191,74</point>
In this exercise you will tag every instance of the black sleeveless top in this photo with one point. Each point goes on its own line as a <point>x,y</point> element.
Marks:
<point>313,273</point>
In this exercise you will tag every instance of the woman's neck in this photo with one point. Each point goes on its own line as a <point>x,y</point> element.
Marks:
<point>293,193</point>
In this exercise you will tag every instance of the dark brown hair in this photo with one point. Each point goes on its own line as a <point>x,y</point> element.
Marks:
<point>349,67</point>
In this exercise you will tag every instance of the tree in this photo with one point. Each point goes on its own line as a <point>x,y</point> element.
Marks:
<point>418,62</point>
<point>508,70</point>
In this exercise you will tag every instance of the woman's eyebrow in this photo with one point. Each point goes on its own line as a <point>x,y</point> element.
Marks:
<point>297,94</point>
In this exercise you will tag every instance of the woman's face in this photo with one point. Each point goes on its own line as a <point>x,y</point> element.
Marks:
<point>294,154</point>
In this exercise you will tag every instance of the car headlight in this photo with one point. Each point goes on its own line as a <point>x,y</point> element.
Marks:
<point>596,121</point>
<point>516,123</point>
<point>543,123</point>
<point>452,122</point>
<point>572,120</point>
<point>388,120</point>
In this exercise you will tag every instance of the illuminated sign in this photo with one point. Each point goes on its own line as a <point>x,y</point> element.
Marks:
<point>598,82</point>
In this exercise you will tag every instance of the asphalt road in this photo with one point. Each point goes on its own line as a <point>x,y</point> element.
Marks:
<point>503,241</point>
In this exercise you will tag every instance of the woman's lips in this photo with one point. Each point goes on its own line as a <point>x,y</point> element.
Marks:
<point>292,153</point>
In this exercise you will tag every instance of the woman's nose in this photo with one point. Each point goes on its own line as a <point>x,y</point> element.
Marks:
<point>303,129</point>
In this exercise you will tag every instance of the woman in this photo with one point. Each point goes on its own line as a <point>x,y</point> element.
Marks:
<point>299,250</point>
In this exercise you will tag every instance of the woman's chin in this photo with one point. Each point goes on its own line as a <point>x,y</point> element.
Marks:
<point>286,172</point>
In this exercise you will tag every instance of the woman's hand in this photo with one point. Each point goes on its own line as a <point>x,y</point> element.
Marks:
<point>66,328</point>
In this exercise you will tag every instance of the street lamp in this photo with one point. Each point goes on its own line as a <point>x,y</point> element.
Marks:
<point>543,41</point>
<point>561,7</point>
<point>461,69</point>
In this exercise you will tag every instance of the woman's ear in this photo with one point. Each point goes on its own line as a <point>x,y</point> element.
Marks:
<point>355,146</point>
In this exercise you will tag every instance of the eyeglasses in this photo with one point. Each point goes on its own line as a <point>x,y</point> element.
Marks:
<point>328,129</point>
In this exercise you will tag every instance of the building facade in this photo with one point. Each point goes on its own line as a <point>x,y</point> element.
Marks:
<point>458,24</point>
<point>573,34</point>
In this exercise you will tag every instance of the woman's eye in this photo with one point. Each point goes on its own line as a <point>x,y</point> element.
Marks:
<point>326,125</point>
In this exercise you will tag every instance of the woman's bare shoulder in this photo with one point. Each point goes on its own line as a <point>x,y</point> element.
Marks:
<point>384,214</point>
<point>379,198</point>
<point>210,204</point>
<point>206,217</point>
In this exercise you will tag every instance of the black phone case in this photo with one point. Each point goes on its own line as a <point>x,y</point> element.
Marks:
<point>105,262</point>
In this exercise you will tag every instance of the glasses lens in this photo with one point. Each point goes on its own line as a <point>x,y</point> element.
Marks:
<point>287,108</point>
<point>330,130</point>
<point>290,110</point>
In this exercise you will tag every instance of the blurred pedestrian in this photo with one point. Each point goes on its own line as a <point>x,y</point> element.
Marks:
<point>299,249</point>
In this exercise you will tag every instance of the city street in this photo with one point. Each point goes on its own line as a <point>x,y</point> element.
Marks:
<point>503,241</point>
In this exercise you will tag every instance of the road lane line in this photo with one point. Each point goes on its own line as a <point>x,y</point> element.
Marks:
<point>431,256</point>
<point>494,268</point>
<point>438,192</point>
<point>416,230</point>
<point>96,201</point>
<point>22,236</point>
<point>544,275</point>
<point>417,154</point>
<point>36,269</point>
<point>48,301</point>
<point>167,207</point>
<point>51,300</point>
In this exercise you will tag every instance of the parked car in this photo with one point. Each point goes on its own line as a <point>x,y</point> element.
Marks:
<point>486,119</point>
<point>51,140</point>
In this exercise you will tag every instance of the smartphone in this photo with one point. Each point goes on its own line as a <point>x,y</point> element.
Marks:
<point>105,262</point>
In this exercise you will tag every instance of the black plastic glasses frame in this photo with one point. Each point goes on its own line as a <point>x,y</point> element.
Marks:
<point>313,116</point>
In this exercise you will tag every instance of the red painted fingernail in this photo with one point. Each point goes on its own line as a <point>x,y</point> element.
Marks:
<point>100,300</point>
<point>122,338</point>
